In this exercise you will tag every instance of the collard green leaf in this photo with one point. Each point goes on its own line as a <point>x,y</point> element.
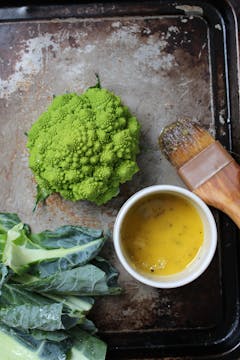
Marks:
<point>111,272</point>
<point>76,305</point>
<point>24,317</point>
<point>86,346</point>
<point>20,252</point>
<point>8,221</point>
<point>14,294</point>
<point>66,236</point>
<point>55,336</point>
<point>46,281</point>
<point>26,310</point>
<point>52,350</point>
<point>89,241</point>
<point>89,326</point>
<point>3,275</point>
<point>86,280</point>
<point>18,345</point>
<point>3,238</point>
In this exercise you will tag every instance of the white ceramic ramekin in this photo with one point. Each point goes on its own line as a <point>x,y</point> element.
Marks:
<point>203,257</point>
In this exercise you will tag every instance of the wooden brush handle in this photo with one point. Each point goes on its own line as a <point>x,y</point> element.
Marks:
<point>214,176</point>
<point>222,191</point>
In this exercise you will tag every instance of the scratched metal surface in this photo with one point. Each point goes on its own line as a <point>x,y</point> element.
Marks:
<point>159,66</point>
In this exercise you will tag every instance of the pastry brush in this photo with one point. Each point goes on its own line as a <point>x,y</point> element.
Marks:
<point>204,165</point>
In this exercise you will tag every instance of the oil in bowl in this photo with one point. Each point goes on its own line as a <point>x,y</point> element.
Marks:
<point>161,234</point>
<point>165,236</point>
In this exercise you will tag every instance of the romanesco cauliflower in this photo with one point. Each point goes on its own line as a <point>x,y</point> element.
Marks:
<point>84,146</point>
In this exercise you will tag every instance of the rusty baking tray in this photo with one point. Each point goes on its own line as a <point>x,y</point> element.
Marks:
<point>166,59</point>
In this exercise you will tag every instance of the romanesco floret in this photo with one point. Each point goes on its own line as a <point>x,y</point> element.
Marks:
<point>84,146</point>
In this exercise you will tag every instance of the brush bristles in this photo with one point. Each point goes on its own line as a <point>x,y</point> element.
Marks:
<point>182,140</point>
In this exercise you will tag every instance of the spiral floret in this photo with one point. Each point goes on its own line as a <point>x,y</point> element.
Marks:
<point>84,146</point>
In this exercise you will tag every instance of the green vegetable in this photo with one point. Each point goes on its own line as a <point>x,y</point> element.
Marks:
<point>78,281</point>
<point>46,281</point>
<point>24,310</point>
<point>7,222</point>
<point>18,345</point>
<point>63,249</point>
<point>3,275</point>
<point>84,146</point>
<point>86,346</point>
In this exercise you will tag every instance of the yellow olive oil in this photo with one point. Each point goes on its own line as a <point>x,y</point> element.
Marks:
<point>162,234</point>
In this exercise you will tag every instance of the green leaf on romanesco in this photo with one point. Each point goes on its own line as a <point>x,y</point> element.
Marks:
<point>84,146</point>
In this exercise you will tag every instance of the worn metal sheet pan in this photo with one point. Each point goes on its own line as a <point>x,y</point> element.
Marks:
<point>162,60</point>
